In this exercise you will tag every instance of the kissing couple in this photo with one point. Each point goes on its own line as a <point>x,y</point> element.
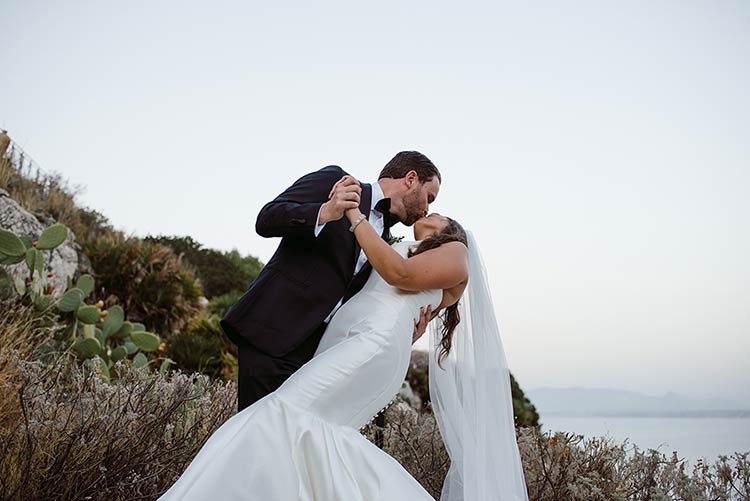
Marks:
<point>325,335</point>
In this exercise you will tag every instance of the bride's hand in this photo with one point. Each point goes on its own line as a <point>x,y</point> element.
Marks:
<point>424,318</point>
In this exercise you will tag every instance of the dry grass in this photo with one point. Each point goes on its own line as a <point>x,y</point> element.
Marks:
<point>68,435</point>
<point>79,438</point>
<point>414,439</point>
<point>37,191</point>
<point>565,467</point>
<point>22,330</point>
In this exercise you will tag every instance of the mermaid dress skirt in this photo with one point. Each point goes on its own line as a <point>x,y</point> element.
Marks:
<point>302,442</point>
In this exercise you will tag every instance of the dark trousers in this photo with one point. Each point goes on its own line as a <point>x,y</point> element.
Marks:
<point>261,374</point>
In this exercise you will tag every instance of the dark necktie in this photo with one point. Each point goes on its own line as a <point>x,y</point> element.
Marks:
<point>360,278</point>
<point>384,207</point>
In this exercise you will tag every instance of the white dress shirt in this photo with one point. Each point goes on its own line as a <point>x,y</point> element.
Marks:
<point>375,220</point>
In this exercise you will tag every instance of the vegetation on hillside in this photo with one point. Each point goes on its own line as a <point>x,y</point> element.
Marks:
<point>219,272</point>
<point>157,281</point>
<point>67,434</point>
<point>69,431</point>
<point>148,280</point>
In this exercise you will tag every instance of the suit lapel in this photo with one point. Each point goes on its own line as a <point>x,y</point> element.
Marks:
<point>365,203</point>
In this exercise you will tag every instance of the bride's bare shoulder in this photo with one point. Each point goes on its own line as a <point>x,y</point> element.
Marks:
<point>439,268</point>
<point>450,251</point>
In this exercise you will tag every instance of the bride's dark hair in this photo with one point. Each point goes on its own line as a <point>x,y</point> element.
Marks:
<point>454,232</point>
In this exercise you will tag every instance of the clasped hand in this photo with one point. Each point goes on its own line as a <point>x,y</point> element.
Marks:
<point>343,199</point>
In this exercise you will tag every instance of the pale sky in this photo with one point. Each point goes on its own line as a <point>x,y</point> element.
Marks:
<point>599,150</point>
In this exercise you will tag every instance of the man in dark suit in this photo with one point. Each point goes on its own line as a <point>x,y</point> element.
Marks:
<point>278,323</point>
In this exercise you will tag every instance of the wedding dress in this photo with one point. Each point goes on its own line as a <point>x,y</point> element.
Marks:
<point>302,442</point>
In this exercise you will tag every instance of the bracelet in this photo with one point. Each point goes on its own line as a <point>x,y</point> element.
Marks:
<point>361,218</point>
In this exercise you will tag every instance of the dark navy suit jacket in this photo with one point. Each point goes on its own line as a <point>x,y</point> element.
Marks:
<point>307,275</point>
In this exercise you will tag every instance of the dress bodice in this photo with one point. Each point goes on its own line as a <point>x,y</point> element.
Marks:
<point>381,306</point>
<point>364,354</point>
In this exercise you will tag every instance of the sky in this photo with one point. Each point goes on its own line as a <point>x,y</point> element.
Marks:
<point>598,150</point>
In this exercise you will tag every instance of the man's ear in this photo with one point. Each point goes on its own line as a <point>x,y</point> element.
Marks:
<point>411,178</point>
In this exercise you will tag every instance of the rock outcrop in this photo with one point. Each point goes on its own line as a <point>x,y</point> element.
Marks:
<point>67,260</point>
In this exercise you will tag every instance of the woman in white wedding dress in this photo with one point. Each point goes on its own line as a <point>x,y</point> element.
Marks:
<point>302,442</point>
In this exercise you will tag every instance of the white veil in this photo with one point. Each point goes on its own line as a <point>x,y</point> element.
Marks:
<point>472,400</point>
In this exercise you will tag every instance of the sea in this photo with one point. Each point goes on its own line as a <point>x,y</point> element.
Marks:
<point>691,437</point>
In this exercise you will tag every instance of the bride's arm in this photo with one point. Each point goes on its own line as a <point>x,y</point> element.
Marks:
<point>440,268</point>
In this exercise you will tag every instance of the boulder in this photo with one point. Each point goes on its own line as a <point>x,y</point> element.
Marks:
<point>420,359</point>
<point>407,393</point>
<point>66,260</point>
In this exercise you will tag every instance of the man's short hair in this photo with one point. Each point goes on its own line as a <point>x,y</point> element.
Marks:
<point>406,161</point>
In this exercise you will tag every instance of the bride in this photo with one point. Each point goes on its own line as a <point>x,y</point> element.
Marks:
<point>302,442</point>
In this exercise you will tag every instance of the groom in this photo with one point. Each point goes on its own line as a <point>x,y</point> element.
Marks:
<point>278,323</point>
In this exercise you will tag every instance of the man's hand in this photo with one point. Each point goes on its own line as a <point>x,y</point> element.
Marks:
<point>343,196</point>
<point>424,318</point>
<point>344,181</point>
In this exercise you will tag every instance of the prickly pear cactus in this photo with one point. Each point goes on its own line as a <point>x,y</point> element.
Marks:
<point>16,249</point>
<point>104,334</point>
<point>98,337</point>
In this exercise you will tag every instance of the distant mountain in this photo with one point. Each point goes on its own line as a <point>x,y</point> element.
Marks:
<point>578,401</point>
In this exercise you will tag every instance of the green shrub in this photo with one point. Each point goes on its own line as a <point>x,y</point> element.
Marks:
<point>419,380</point>
<point>88,225</point>
<point>219,272</point>
<point>250,266</point>
<point>524,412</point>
<point>203,347</point>
<point>220,305</point>
<point>147,279</point>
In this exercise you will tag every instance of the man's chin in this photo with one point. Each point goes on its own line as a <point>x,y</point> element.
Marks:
<point>397,219</point>
<point>411,221</point>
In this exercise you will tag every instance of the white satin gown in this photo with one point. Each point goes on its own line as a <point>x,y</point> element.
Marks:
<point>302,442</point>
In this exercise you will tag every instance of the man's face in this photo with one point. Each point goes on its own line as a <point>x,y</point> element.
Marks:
<point>417,199</point>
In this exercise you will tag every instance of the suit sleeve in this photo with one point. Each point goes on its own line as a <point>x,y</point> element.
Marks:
<point>294,213</point>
